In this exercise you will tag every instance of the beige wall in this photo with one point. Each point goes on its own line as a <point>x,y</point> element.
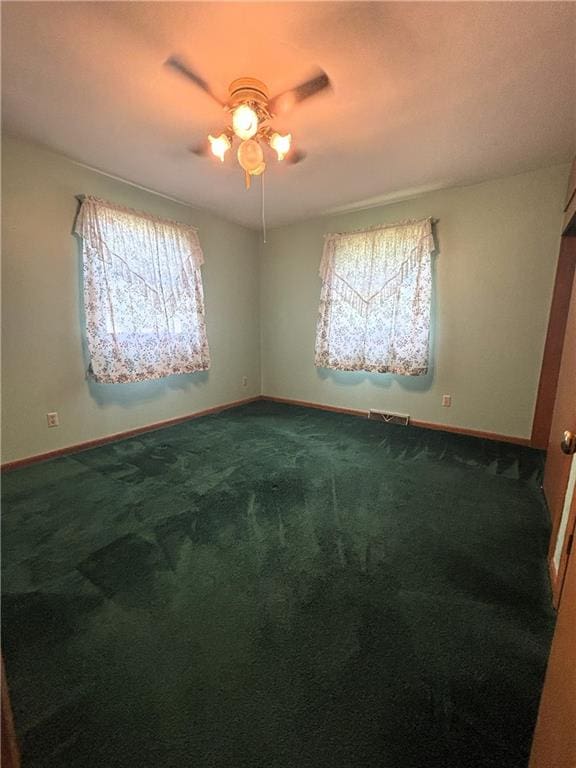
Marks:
<point>43,366</point>
<point>498,244</point>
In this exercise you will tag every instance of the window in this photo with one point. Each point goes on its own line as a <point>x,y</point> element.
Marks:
<point>143,294</point>
<point>375,300</point>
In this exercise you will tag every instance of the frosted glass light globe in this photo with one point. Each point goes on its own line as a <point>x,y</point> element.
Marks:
<point>250,155</point>
<point>219,145</point>
<point>259,169</point>
<point>281,144</point>
<point>244,122</point>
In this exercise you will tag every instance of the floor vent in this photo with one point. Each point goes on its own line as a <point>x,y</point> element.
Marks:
<point>390,417</point>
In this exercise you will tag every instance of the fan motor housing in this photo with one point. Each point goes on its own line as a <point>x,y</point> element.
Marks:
<point>246,89</point>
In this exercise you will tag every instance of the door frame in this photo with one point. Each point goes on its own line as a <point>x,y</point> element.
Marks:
<point>10,751</point>
<point>550,371</point>
<point>557,576</point>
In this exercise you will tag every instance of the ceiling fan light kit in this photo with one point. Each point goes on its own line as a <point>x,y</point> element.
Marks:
<point>248,104</point>
<point>219,145</point>
<point>252,111</point>
<point>244,122</point>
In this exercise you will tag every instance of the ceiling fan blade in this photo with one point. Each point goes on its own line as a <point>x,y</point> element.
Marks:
<point>296,156</point>
<point>180,66</point>
<point>311,87</point>
<point>200,150</point>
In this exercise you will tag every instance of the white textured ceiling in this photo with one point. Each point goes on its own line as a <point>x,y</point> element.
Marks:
<point>425,94</point>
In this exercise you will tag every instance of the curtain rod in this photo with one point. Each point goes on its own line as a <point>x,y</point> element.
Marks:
<point>376,227</point>
<point>135,212</point>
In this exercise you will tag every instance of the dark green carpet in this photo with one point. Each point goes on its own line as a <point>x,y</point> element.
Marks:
<point>276,587</point>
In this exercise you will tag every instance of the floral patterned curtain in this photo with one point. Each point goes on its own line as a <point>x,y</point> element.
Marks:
<point>375,300</point>
<point>142,294</point>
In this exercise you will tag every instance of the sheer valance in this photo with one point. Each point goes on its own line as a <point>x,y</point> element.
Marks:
<point>375,299</point>
<point>143,294</point>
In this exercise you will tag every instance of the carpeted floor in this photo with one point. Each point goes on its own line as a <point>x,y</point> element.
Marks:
<point>276,587</point>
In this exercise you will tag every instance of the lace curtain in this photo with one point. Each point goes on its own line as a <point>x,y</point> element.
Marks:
<point>375,300</point>
<point>142,294</point>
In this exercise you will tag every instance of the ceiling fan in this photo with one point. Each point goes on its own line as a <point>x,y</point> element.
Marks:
<point>252,111</point>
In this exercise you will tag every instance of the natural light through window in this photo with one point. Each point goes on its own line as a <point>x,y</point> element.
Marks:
<point>375,300</point>
<point>143,294</point>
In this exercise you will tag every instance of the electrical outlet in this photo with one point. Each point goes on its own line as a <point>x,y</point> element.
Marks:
<point>52,419</point>
<point>446,401</point>
<point>244,381</point>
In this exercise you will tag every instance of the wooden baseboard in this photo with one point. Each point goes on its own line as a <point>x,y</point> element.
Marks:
<point>319,406</point>
<point>413,423</point>
<point>77,447</point>
<point>525,441</point>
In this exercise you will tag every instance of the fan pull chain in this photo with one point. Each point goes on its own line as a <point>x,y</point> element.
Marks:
<point>263,209</point>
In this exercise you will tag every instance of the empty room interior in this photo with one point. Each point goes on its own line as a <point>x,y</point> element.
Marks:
<point>288,384</point>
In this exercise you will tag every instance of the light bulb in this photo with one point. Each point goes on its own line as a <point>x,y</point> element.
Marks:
<point>281,144</point>
<point>244,122</point>
<point>219,145</point>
